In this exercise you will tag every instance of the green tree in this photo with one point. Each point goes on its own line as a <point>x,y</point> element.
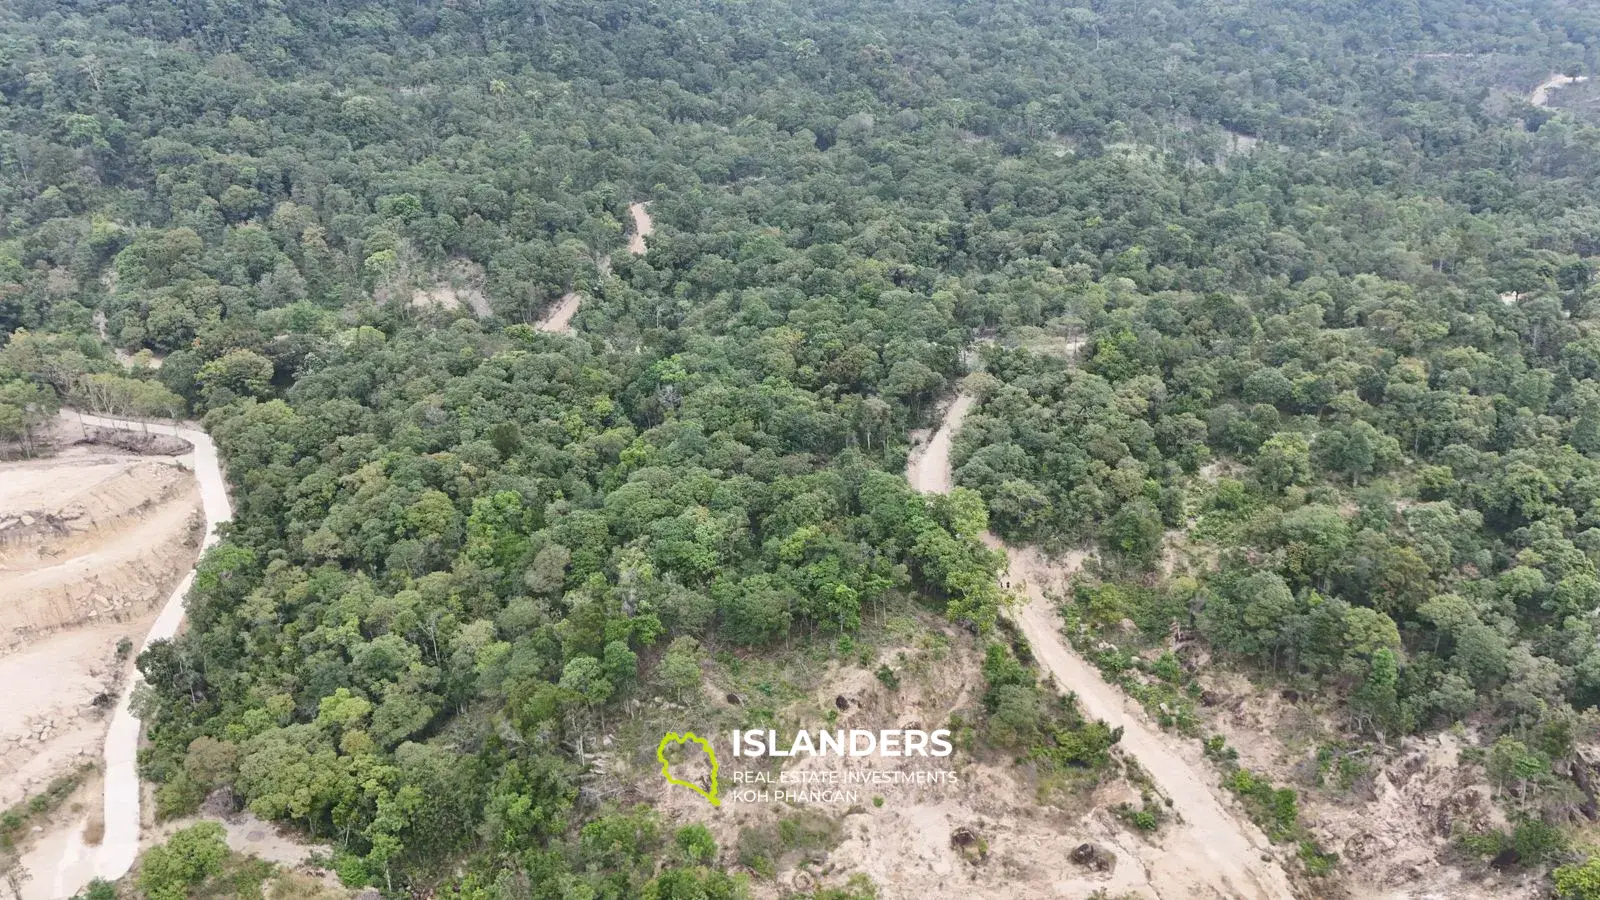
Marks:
<point>169,871</point>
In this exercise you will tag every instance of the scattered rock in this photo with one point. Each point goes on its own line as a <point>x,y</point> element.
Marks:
<point>841,702</point>
<point>1093,856</point>
<point>220,803</point>
<point>967,842</point>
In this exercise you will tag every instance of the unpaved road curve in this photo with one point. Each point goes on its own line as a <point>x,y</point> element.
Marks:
<point>558,320</point>
<point>1211,852</point>
<point>1541,94</point>
<point>76,863</point>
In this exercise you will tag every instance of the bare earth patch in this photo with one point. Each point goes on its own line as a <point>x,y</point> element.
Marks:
<point>1000,830</point>
<point>462,285</point>
<point>91,541</point>
<point>1394,827</point>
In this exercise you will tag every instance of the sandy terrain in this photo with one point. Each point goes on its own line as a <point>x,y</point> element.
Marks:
<point>247,834</point>
<point>1541,94</point>
<point>464,284</point>
<point>91,540</point>
<point>905,844</point>
<point>643,227</point>
<point>1211,852</point>
<point>1393,828</point>
<point>558,320</point>
<point>62,862</point>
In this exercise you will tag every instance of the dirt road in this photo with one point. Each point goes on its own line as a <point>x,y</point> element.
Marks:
<point>643,227</point>
<point>558,319</point>
<point>1541,94</point>
<point>61,869</point>
<point>1211,852</point>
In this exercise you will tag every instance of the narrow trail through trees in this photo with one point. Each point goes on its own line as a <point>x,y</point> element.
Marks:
<point>62,869</point>
<point>1210,851</point>
<point>558,320</point>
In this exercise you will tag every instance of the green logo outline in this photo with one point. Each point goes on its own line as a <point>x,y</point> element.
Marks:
<point>676,738</point>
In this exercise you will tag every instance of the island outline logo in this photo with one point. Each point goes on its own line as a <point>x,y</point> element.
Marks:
<point>675,738</point>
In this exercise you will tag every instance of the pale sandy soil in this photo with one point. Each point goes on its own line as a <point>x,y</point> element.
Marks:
<point>1212,851</point>
<point>64,860</point>
<point>905,844</point>
<point>1541,94</point>
<point>1392,829</point>
<point>90,541</point>
<point>559,319</point>
<point>643,227</point>
<point>246,834</point>
<point>463,284</point>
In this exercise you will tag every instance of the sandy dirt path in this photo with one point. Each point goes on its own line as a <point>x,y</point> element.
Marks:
<point>1211,852</point>
<point>65,868</point>
<point>1541,94</point>
<point>558,319</point>
<point>643,227</point>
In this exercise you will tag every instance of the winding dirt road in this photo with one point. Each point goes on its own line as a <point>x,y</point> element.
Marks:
<point>1211,852</point>
<point>558,320</point>
<point>63,870</point>
<point>1541,94</point>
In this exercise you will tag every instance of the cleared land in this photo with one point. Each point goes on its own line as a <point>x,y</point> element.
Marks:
<point>92,539</point>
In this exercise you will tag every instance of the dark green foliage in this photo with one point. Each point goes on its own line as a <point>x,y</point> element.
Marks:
<point>460,543</point>
<point>1046,728</point>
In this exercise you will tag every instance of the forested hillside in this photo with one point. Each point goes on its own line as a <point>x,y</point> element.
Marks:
<point>1301,291</point>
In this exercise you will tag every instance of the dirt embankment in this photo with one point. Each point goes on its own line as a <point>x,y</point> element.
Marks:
<point>91,541</point>
<point>1396,821</point>
<point>906,836</point>
<point>1211,852</point>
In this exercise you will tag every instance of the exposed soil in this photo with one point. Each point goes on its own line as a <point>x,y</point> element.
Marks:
<point>643,227</point>
<point>999,831</point>
<point>247,834</point>
<point>1541,94</point>
<point>91,540</point>
<point>463,285</point>
<point>1394,825</point>
<point>118,523</point>
<point>1211,851</point>
<point>558,318</point>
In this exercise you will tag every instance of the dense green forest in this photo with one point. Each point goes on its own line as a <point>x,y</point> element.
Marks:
<point>1329,269</point>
